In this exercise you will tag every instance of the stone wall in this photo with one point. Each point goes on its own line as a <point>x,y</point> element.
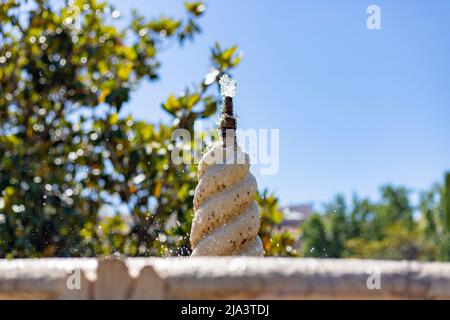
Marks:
<point>228,278</point>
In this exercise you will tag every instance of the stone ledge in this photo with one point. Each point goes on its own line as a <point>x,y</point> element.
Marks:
<point>220,278</point>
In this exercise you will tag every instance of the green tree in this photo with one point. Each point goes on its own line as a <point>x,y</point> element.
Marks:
<point>445,246</point>
<point>394,207</point>
<point>336,215</point>
<point>399,243</point>
<point>361,215</point>
<point>446,202</point>
<point>275,242</point>
<point>388,229</point>
<point>314,238</point>
<point>385,229</point>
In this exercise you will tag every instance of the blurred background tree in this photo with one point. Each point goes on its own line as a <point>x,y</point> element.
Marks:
<point>275,242</point>
<point>314,238</point>
<point>387,229</point>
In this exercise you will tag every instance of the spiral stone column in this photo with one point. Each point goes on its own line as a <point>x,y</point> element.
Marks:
<point>227,218</point>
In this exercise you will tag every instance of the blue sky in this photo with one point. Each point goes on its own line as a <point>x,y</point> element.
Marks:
<point>356,108</point>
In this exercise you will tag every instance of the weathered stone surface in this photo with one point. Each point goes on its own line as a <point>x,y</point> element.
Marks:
<point>113,280</point>
<point>44,278</point>
<point>225,277</point>
<point>77,289</point>
<point>434,279</point>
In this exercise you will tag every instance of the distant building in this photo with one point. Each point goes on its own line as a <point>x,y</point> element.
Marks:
<point>295,215</point>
